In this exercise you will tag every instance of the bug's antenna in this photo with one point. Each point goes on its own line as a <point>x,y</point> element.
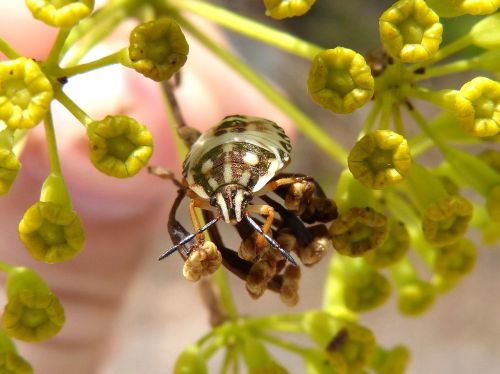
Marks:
<point>187,239</point>
<point>271,241</point>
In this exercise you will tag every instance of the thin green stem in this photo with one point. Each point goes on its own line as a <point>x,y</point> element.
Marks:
<point>451,68</point>
<point>284,344</point>
<point>399,125</point>
<point>213,347</point>
<point>250,28</point>
<point>7,50</point>
<point>291,323</point>
<point>424,125</point>
<point>56,51</point>
<point>114,58</point>
<point>322,139</point>
<point>386,111</point>
<point>72,107</point>
<point>444,99</point>
<point>370,119</point>
<point>6,268</point>
<point>229,357</point>
<point>55,165</point>
<point>220,278</point>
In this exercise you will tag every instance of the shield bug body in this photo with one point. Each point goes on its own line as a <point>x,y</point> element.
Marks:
<point>228,166</point>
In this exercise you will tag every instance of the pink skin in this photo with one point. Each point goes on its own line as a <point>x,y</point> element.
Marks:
<point>122,218</point>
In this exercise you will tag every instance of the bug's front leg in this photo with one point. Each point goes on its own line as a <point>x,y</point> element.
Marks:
<point>202,204</point>
<point>268,212</point>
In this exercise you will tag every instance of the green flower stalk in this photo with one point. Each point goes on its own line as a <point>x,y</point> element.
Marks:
<point>50,229</point>
<point>32,313</point>
<point>492,158</point>
<point>414,295</point>
<point>60,13</point>
<point>257,357</point>
<point>25,93</point>
<point>493,204</point>
<point>380,159</point>
<point>390,361</point>
<point>203,260</point>
<point>484,34</point>
<point>394,248</point>
<point>340,80</point>
<point>454,8</point>
<point>280,9</point>
<point>477,107</point>
<point>10,361</point>
<point>410,31</point>
<point>190,361</point>
<point>119,146</point>
<point>158,49</point>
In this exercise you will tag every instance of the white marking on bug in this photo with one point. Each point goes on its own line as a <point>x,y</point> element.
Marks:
<point>213,183</point>
<point>274,166</point>
<point>238,201</point>
<point>251,158</point>
<point>223,207</point>
<point>207,166</point>
<point>199,191</point>
<point>245,178</point>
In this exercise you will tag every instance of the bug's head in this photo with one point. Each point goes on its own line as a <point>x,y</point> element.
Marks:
<point>231,201</point>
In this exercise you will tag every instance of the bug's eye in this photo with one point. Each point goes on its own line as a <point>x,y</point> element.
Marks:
<point>247,196</point>
<point>213,200</point>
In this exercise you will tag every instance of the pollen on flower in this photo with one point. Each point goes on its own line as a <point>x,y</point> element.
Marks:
<point>25,93</point>
<point>158,49</point>
<point>477,107</point>
<point>51,233</point>
<point>358,230</point>
<point>340,80</point>
<point>60,13</point>
<point>32,315</point>
<point>380,159</point>
<point>9,168</point>
<point>119,146</point>
<point>410,31</point>
<point>446,221</point>
<point>203,260</point>
<point>280,9</point>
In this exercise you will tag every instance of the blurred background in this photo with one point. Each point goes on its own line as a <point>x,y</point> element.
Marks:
<point>459,334</point>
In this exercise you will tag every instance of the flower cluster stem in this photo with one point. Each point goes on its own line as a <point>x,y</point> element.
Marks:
<point>252,29</point>
<point>7,50</point>
<point>72,107</point>
<point>56,51</point>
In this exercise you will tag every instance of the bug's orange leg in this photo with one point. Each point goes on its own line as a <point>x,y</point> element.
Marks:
<point>265,210</point>
<point>272,185</point>
<point>198,203</point>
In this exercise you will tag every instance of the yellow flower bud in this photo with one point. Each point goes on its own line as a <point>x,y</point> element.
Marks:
<point>190,361</point>
<point>380,159</point>
<point>280,9</point>
<point>119,146</point>
<point>9,168</point>
<point>33,315</point>
<point>477,107</point>
<point>393,249</point>
<point>340,80</point>
<point>25,93</point>
<point>60,13</point>
<point>390,361</point>
<point>11,362</point>
<point>415,297</point>
<point>454,260</point>
<point>158,49</point>
<point>410,31</point>
<point>358,230</point>
<point>203,260</point>
<point>51,232</point>
<point>446,220</point>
